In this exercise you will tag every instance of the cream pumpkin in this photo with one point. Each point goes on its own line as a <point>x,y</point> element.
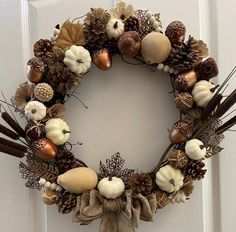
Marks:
<point>203,92</point>
<point>35,110</point>
<point>78,180</point>
<point>169,179</point>
<point>111,188</point>
<point>115,28</point>
<point>77,59</point>
<point>57,131</point>
<point>195,149</point>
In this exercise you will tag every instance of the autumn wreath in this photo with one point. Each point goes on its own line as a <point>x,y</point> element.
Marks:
<point>118,195</point>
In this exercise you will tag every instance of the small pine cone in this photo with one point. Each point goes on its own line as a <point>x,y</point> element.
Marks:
<point>178,159</point>
<point>43,48</point>
<point>61,79</point>
<point>184,101</point>
<point>43,92</point>
<point>66,202</point>
<point>188,188</point>
<point>132,24</point>
<point>66,161</point>
<point>141,183</point>
<point>162,199</point>
<point>194,169</point>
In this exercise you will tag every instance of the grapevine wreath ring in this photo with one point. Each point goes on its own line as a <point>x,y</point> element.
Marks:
<point>119,196</point>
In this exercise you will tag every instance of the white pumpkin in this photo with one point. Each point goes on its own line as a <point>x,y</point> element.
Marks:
<point>115,28</point>
<point>35,110</point>
<point>169,179</point>
<point>77,59</point>
<point>57,131</point>
<point>202,92</point>
<point>179,197</point>
<point>111,189</point>
<point>195,149</point>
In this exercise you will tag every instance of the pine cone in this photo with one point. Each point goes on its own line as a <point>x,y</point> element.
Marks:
<point>66,161</point>
<point>94,28</point>
<point>188,189</point>
<point>141,183</point>
<point>187,55</point>
<point>61,79</point>
<point>132,24</point>
<point>111,45</point>
<point>194,169</point>
<point>178,159</point>
<point>162,199</point>
<point>43,48</point>
<point>66,202</point>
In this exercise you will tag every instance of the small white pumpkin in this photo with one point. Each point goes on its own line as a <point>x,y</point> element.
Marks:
<point>195,149</point>
<point>35,110</point>
<point>115,28</point>
<point>77,59</point>
<point>179,197</point>
<point>57,131</point>
<point>111,189</point>
<point>169,179</point>
<point>203,92</point>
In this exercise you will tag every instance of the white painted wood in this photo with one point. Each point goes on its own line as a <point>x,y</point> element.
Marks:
<point>126,106</point>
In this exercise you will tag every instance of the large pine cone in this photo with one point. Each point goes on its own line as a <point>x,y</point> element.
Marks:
<point>61,79</point>
<point>66,202</point>
<point>141,183</point>
<point>132,24</point>
<point>43,48</point>
<point>94,28</point>
<point>187,55</point>
<point>66,161</point>
<point>194,170</point>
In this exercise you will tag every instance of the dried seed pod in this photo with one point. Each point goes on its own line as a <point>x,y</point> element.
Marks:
<point>178,159</point>
<point>180,132</point>
<point>35,130</point>
<point>188,188</point>
<point>175,31</point>
<point>43,92</point>
<point>185,81</point>
<point>129,44</point>
<point>162,199</point>
<point>35,70</point>
<point>184,101</point>
<point>207,69</point>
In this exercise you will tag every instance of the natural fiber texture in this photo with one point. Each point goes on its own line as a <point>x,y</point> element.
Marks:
<point>178,159</point>
<point>162,199</point>
<point>141,183</point>
<point>188,188</point>
<point>184,101</point>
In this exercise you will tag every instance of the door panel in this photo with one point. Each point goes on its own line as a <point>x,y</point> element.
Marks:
<point>126,112</point>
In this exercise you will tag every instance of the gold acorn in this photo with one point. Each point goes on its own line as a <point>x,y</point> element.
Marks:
<point>35,70</point>
<point>44,148</point>
<point>102,59</point>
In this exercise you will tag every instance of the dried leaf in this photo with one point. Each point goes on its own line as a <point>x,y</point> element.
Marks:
<point>70,34</point>
<point>213,150</point>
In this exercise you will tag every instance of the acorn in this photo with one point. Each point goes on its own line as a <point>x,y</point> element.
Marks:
<point>180,132</point>
<point>44,148</point>
<point>102,59</point>
<point>35,70</point>
<point>43,92</point>
<point>207,69</point>
<point>129,44</point>
<point>35,130</point>
<point>175,31</point>
<point>185,81</point>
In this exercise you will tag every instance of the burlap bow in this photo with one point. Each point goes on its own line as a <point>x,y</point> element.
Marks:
<point>118,215</point>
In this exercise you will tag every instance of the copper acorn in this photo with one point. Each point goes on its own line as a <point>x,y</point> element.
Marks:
<point>44,148</point>
<point>129,44</point>
<point>185,81</point>
<point>175,31</point>
<point>207,69</point>
<point>102,59</point>
<point>35,69</point>
<point>180,132</point>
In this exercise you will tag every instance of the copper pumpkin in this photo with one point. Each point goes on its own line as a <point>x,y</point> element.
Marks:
<point>44,148</point>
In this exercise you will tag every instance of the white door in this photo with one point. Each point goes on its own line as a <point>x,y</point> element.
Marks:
<point>122,115</point>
